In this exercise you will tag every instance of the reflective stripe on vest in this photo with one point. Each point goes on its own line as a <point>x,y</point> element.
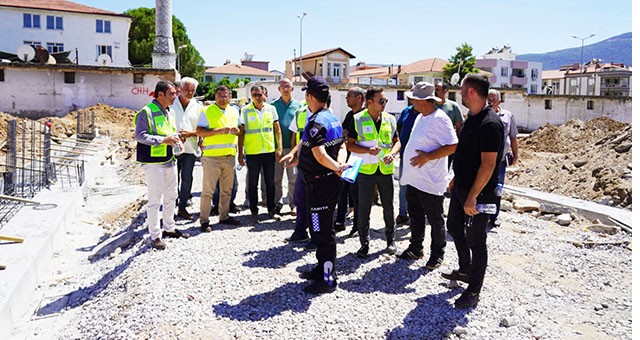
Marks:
<point>222,144</point>
<point>159,124</point>
<point>301,121</point>
<point>258,134</point>
<point>367,132</point>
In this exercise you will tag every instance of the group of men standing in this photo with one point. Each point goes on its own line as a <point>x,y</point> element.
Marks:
<point>317,145</point>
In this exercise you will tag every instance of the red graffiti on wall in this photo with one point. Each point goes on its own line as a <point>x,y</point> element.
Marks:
<point>139,91</point>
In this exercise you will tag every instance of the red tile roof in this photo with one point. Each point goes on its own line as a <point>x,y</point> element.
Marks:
<point>424,65</point>
<point>239,70</point>
<point>57,5</point>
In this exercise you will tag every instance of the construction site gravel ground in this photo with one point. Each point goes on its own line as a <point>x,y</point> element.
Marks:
<point>544,281</point>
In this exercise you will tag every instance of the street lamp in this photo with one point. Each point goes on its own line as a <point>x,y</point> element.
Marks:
<point>300,66</point>
<point>581,54</point>
<point>179,48</point>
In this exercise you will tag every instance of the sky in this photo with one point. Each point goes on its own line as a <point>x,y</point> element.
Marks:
<point>387,32</point>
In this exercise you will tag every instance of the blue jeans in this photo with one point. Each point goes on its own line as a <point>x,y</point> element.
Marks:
<point>403,195</point>
<point>186,162</point>
<point>501,174</point>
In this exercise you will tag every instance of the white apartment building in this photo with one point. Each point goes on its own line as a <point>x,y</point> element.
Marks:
<point>596,79</point>
<point>511,73</point>
<point>60,25</point>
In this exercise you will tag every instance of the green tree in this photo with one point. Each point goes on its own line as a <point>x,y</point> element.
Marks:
<point>464,59</point>
<point>142,35</point>
<point>206,89</point>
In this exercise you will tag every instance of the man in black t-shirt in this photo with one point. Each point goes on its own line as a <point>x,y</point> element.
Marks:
<point>475,168</point>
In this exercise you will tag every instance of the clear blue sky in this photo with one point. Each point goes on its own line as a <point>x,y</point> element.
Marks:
<point>390,32</point>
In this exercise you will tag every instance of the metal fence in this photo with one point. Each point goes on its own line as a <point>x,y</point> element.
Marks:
<point>35,160</point>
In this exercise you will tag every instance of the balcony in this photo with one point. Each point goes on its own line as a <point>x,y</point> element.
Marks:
<point>519,80</point>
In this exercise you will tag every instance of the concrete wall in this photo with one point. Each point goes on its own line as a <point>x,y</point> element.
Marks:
<point>42,91</point>
<point>79,31</point>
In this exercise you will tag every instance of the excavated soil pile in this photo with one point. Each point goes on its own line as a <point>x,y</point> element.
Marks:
<point>587,160</point>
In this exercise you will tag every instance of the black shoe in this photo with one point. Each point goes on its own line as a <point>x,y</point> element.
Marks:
<point>278,208</point>
<point>314,274</point>
<point>310,246</point>
<point>214,211</point>
<point>411,255</point>
<point>353,232</point>
<point>175,234</point>
<point>320,287</point>
<point>234,209</point>
<point>467,300</point>
<point>205,228</point>
<point>339,227</point>
<point>230,221</point>
<point>456,275</point>
<point>297,239</point>
<point>363,252</point>
<point>184,214</point>
<point>391,248</point>
<point>255,219</point>
<point>433,263</point>
<point>402,219</point>
<point>274,216</point>
<point>159,244</point>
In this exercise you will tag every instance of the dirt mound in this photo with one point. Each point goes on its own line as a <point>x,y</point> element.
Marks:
<point>587,160</point>
<point>116,122</point>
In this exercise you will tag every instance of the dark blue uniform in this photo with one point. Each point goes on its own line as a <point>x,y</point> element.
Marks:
<point>322,187</point>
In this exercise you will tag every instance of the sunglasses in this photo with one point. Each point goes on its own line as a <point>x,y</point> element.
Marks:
<point>256,95</point>
<point>383,101</point>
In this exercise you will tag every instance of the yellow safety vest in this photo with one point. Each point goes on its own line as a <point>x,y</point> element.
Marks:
<point>159,125</point>
<point>258,134</point>
<point>222,144</point>
<point>367,132</point>
<point>301,121</point>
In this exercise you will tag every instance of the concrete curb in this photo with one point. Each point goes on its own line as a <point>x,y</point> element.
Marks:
<point>28,263</point>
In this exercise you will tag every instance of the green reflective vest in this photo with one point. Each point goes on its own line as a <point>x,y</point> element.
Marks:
<point>258,133</point>
<point>159,125</point>
<point>222,144</point>
<point>384,138</point>
<point>301,121</point>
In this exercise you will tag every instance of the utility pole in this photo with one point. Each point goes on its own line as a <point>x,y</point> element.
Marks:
<point>581,55</point>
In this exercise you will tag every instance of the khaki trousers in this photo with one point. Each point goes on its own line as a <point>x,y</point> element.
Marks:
<point>214,169</point>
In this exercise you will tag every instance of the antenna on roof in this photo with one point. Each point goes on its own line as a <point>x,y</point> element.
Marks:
<point>26,53</point>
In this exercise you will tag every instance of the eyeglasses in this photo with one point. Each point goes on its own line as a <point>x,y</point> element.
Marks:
<point>256,95</point>
<point>383,101</point>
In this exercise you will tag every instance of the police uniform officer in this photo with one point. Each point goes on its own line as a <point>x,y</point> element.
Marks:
<point>155,135</point>
<point>321,161</point>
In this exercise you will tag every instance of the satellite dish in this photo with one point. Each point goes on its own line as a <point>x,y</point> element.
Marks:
<point>42,55</point>
<point>51,60</point>
<point>26,52</point>
<point>104,60</point>
<point>455,78</point>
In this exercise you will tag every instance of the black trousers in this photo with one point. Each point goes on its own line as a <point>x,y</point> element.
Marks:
<point>419,204</point>
<point>366,184</point>
<point>470,237</point>
<point>321,196</point>
<point>186,162</point>
<point>265,162</point>
<point>343,203</point>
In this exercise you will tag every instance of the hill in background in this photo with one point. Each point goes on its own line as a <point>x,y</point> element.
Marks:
<point>615,49</point>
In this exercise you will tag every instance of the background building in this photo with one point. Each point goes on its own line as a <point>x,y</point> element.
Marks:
<point>331,64</point>
<point>509,72</point>
<point>59,25</point>
<point>596,79</point>
<point>237,71</point>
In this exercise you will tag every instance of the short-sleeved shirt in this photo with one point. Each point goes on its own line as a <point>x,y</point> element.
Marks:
<point>203,121</point>
<point>452,109</point>
<point>186,119</point>
<point>353,133</point>
<point>428,133</point>
<point>266,109</point>
<point>483,132</point>
<point>323,128</point>
<point>293,126</point>
<point>286,113</point>
<point>510,129</point>
<point>405,124</point>
<point>348,124</point>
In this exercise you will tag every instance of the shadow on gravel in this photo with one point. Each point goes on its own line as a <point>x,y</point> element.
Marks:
<point>276,257</point>
<point>124,239</point>
<point>267,305</point>
<point>78,297</point>
<point>433,318</point>
<point>371,282</point>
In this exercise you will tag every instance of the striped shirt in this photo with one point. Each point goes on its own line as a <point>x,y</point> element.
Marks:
<point>429,133</point>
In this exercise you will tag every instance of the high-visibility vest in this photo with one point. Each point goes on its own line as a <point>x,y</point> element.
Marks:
<point>301,121</point>
<point>258,133</point>
<point>221,144</point>
<point>367,133</point>
<point>159,125</point>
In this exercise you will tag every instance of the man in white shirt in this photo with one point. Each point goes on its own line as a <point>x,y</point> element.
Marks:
<point>432,139</point>
<point>187,111</point>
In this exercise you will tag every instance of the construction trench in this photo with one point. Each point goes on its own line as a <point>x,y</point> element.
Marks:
<point>45,176</point>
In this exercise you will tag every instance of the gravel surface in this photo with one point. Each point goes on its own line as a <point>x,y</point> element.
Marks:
<point>544,281</point>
